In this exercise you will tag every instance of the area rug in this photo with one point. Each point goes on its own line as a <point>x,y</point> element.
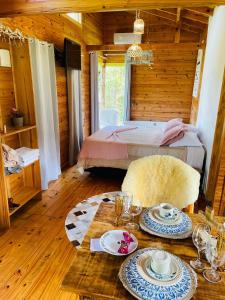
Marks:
<point>81,216</point>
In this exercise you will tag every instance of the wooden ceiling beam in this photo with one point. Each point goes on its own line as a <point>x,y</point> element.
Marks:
<point>204,11</point>
<point>185,26</point>
<point>178,26</point>
<point>188,28</point>
<point>170,11</point>
<point>194,17</point>
<point>194,24</point>
<point>26,7</point>
<point>161,14</point>
<point>149,46</point>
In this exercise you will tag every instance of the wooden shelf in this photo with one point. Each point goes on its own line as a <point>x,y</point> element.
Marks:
<point>25,194</point>
<point>16,130</point>
<point>10,175</point>
<point>25,185</point>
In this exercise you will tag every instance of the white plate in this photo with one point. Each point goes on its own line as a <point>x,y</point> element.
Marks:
<point>110,242</point>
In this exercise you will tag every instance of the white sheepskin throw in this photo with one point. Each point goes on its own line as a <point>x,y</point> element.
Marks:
<point>156,179</point>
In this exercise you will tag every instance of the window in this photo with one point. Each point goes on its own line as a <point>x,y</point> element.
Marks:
<point>75,16</point>
<point>111,93</point>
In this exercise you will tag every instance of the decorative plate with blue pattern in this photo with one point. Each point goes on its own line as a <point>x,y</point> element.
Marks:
<point>177,230</point>
<point>143,287</point>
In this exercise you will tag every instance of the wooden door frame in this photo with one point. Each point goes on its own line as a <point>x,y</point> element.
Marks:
<point>219,136</point>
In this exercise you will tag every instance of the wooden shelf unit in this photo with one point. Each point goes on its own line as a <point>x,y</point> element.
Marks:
<point>23,197</point>
<point>17,91</point>
<point>14,130</point>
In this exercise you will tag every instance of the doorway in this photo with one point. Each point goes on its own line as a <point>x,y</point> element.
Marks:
<point>111,87</point>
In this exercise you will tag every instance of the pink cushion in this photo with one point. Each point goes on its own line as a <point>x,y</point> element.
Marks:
<point>173,135</point>
<point>172,123</point>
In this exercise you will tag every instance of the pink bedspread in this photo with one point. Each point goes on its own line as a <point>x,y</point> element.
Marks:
<point>105,144</point>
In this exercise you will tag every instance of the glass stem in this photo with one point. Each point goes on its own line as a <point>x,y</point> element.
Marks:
<point>199,255</point>
<point>214,270</point>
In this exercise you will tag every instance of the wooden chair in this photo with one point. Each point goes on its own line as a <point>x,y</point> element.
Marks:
<point>157,179</point>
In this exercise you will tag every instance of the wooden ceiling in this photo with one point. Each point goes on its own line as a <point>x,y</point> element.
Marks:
<point>188,19</point>
<point>24,7</point>
<point>168,25</point>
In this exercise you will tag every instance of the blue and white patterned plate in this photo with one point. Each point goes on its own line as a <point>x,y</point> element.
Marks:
<point>143,287</point>
<point>177,230</point>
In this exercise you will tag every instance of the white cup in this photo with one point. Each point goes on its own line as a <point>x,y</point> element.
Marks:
<point>166,210</point>
<point>160,262</point>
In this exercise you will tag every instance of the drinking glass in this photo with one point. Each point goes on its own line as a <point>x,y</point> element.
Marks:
<point>119,201</point>
<point>215,254</point>
<point>199,237</point>
<point>127,201</point>
<point>135,210</point>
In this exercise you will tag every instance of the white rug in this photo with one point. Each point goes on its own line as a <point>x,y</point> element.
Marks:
<point>80,217</point>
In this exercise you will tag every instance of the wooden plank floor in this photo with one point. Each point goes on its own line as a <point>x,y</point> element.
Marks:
<point>35,253</point>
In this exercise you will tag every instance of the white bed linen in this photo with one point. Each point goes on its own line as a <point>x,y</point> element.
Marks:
<point>144,141</point>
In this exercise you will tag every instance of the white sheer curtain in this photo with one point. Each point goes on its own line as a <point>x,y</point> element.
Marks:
<point>75,116</point>
<point>94,92</point>
<point>46,108</point>
<point>127,91</point>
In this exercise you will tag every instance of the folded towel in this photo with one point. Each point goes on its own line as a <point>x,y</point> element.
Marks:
<point>28,162</point>
<point>11,157</point>
<point>27,154</point>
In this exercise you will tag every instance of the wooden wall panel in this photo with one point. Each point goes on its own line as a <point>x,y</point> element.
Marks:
<point>7,99</point>
<point>54,29</point>
<point>7,96</point>
<point>92,28</point>
<point>165,91</point>
<point>219,198</point>
<point>63,113</point>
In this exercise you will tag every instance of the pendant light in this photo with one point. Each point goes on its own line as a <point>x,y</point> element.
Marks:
<point>139,24</point>
<point>134,51</point>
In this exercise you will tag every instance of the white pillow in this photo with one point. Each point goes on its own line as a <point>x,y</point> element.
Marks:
<point>192,128</point>
<point>190,139</point>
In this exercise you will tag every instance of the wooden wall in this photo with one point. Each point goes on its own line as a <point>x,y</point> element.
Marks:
<point>54,28</point>
<point>219,198</point>
<point>165,91</point>
<point>6,95</point>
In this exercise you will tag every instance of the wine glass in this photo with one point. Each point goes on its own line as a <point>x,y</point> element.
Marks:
<point>135,210</point>
<point>127,201</point>
<point>199,238</point>
<point>215,254</point>
<point>119,199</point>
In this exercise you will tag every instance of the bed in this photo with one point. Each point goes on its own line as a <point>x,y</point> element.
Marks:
<point>117,146</point>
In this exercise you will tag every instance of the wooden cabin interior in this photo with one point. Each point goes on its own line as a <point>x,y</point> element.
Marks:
<point>112,114</point>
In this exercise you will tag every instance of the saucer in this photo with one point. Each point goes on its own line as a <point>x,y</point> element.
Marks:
<point>110,242</point>
<point>162,277</point>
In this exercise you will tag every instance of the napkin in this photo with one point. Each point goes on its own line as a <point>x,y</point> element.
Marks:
<point>95,245</point>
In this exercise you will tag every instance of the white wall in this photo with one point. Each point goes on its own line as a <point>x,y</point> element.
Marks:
<point>212,81</point>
